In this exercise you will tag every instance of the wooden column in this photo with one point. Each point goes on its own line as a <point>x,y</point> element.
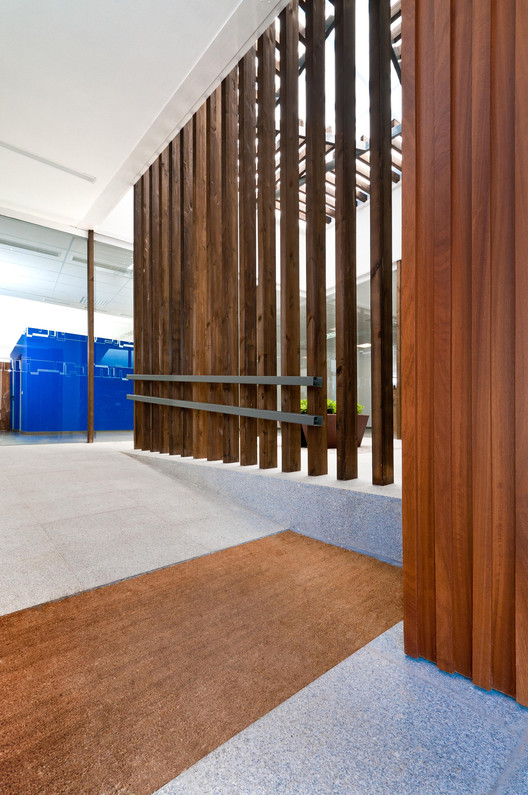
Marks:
<point>155,240</point>
<point>138,311</point>
<point>146,341</point>
<point>289,228</point>
<point>346,303</point>
<point>164,335</point>
<point>90,305</point>
<point>248,252</point>
<point>267,265</point>
<point>316,230</point>
<point>187,299</point>
<point>229,331</point>
<point>200,391</point>
<point>215,287</point>
<point>176,298</point>
<point>381,243</point>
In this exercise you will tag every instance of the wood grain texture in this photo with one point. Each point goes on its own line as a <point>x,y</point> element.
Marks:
<point>230,343</point>
<point>90,360</point>
<point>164,333</point>
<point>176,298</point>
<point>138,311</point>
<point>289,229</point>
<point>248,251</point>
<point>187,281</point>
<point>147,338</point>
<point>345,199</point>
<point>316,232</point>
<point>381,244</point>
<point>215,427</point>
<point>200,294</point>
<point>155,240</point>
<point>267,264</point>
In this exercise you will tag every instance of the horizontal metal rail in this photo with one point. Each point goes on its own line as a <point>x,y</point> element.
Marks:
<point>241,411</point>
<point>274,380</point>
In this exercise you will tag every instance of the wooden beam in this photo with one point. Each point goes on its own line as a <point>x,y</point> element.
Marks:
<point>200,391</point>
<point>381,244</point>
<point>230,342</point>
<point>248,253</point>
<point>267,265</point>
<point>176,302</point>
<point>289,228</point>
<point>316,231</point>
<point>187,324</point>
<point>345,213</point>
<point>90,305</point>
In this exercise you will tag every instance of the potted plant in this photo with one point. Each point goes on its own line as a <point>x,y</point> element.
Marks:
<point>331,418</point>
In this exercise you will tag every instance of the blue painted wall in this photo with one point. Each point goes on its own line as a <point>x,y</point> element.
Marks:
<point>49,383</point>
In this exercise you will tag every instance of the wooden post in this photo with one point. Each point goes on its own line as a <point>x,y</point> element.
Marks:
<point>381,243</point>
<point>187,283</point>
<point>91,340</point>
<point>138,311</point>
<point>200,391</point>
<point>176,298</point>
<point>164,335</point>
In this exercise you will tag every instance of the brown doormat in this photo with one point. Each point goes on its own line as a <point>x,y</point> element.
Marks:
<point>119,689</point>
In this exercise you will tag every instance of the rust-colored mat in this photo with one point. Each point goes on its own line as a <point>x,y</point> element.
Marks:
<point>120,689</point>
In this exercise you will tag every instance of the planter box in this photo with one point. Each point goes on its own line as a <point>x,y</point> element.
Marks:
<point>331,420</point>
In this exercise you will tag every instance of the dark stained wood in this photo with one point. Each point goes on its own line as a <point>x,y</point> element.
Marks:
<point>248,252</point>
<point>411,549</point>
<point>316,231</point>
<point>381,244</point>
<point>229,330</point>
<point>461,479</point>
<point>147,339</point>
<point>442,408</point>
<point>138,311</point>
<point>90,362</point>
<point>503,343</point>
<point>267,265</point>
<point>187,297</point>
<point>215,447</point>
<point>164,297</point>
<point>481,346</point>
<point>521,351</point>
<point>346,303</point>
<point>176,302</point>
<point>289,229</point>
<point>155,241</point>
<point>200,391</point>
<point>397,397</point>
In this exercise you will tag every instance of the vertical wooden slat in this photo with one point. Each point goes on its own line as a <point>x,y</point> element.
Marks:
<point>381,244</point>
<point>155,240</point>
<point>138,311</point>
<point>521,350</point>
<point>176,314</point>
<point>424,348</point>
<point>397,405</point>
<point>215,287</point>
<point>200,391</point>
<point>267,266</point>
<point>229,331</point>
<point>289,228</point>
<point>481,346</point>
<point>411,584</point>
<point>164,297</point>
<point>461,513</point>
<point>146,348</point>
<point>442,339</point>
<point>90,306</point>
<point>503,339</point>
<point>316,231</point>
<point>248,252</point>
<point>346,303</point>
<point>187,300</point>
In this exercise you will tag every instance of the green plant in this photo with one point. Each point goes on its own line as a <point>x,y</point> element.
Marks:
<point>330,407</point>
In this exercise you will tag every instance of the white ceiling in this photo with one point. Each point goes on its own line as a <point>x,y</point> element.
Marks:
<point>93,90</point>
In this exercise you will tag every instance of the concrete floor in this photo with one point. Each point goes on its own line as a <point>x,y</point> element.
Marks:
<point>78,516</point>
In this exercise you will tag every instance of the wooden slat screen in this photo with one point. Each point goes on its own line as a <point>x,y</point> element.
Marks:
<point>464,339</point>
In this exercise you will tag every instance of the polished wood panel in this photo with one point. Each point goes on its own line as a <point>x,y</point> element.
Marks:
<point>200,295</point>
<point>187,300</point>
<point>381,243</point>
<point>155,240</point>
<point>215,447</point>
<point>289,229</point>
<point>90,362</point>
<point>248,251</point>
<point>230,392</point>
<point>267,265</point>
<point>164,297</point>
<point>345,203</point>
<point>316,231</point>
<point>176,298</point>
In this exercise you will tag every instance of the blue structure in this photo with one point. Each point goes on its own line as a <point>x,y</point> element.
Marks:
<point>49,383</point>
